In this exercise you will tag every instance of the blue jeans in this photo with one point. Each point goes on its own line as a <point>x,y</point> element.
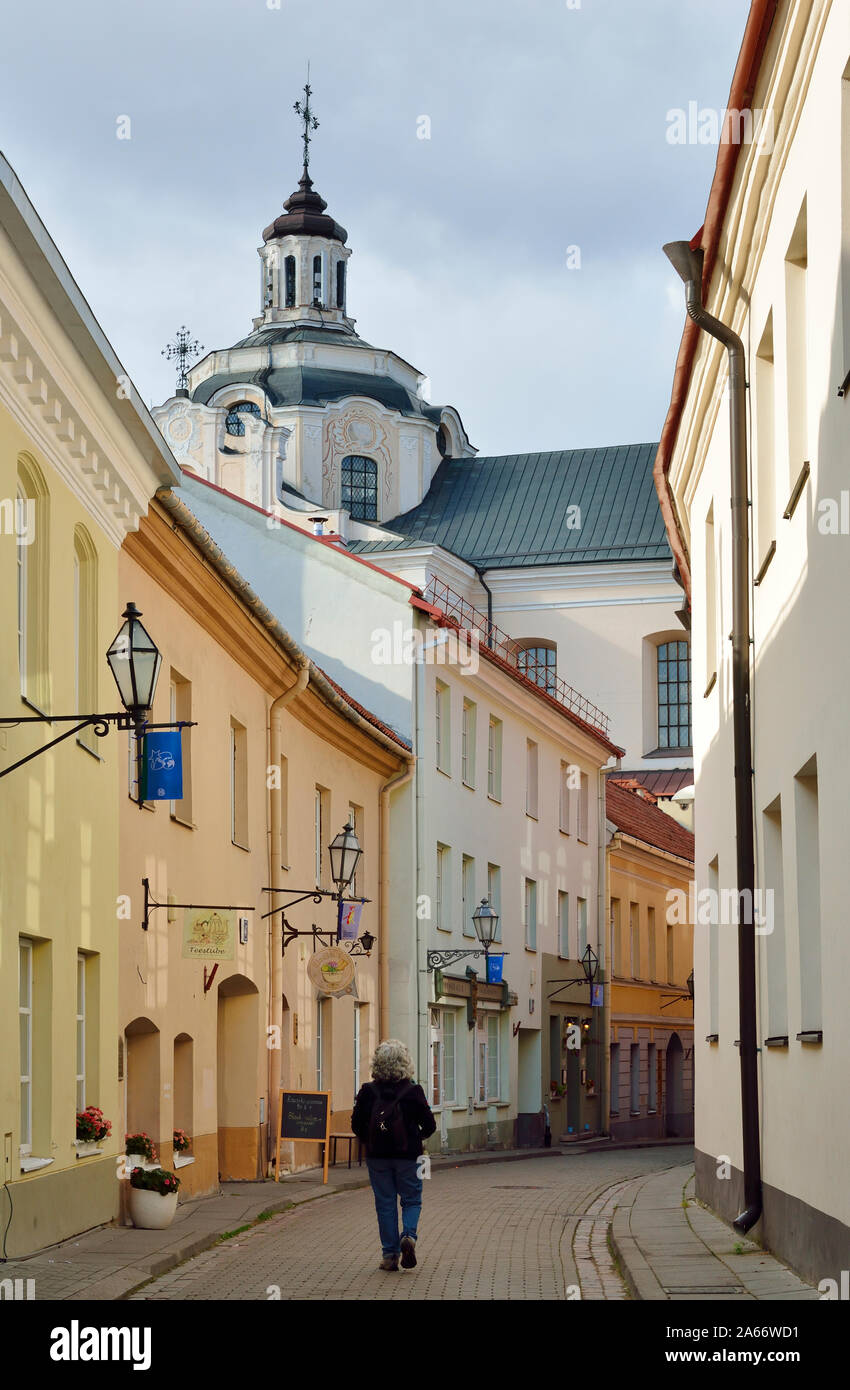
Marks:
<point>393,1179</point>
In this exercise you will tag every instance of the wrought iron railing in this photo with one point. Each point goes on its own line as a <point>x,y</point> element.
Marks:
<point>470,619</point>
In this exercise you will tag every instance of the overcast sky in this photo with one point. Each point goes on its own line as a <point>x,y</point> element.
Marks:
<point>548,130</point>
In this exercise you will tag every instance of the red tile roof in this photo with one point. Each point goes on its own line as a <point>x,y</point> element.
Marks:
<point>366,714</point>
<point>663,783</point>
<point>636,817</point>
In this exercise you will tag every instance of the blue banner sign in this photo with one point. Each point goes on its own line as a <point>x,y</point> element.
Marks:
<point>162,766</point>
<point>495,965</point>
<point>597,995</point>
<point>349,921</point>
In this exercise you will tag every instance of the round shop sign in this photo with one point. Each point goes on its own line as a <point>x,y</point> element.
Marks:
<point>331,970</point>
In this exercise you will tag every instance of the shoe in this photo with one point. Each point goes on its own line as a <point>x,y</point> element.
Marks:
<point>390,1262</point>
<point>408,1252</point>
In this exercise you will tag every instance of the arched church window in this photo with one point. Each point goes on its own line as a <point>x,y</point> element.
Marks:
<point>234,424</point>
<point>443,443</point>
<point>317,280</point>
<point>340,284</point>
<point>360,488</point>
<point>289,275</point>
<point>538,661</point>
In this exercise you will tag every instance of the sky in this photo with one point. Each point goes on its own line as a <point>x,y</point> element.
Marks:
<point>513,256</point>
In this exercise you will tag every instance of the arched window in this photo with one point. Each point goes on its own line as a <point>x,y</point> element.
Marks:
<point>360,488</point>
<point>674,694</point>
<point>33,548</point>
<point>340,284</point>
<point>289,276</point>
<point>317,281</point>
<point>234,424</point>
<point>85,629</point>
<point>538,661</point>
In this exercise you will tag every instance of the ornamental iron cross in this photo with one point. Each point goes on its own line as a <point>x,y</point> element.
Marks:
<point>303,110</point>
<point>183,347</point>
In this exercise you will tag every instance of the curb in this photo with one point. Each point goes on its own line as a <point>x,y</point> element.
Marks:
<point>638,1274</point>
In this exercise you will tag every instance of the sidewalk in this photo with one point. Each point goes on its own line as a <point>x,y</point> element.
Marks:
<point>670,1247</point>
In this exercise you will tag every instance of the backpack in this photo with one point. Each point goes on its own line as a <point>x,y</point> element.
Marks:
<point>388,1136</point>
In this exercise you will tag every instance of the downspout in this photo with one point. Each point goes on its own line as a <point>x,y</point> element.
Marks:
<point>605,949</point>
<point>688,262</point>
<point>275,818</point>
<point>488,591</point>
<point>400,780</point>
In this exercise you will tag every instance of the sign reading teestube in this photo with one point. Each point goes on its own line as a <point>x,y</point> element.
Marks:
<point>209,933</point>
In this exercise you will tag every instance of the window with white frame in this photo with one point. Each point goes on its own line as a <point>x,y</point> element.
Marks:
<point>320,821</point>
<point>564,925</point>
<point>530,913</point>
<point>238,784</point>
<point>467,751</point>
<point>494,895</point>
<point>537,660</point>
<point>442,906</point>
<point>531,769</point>
<point>469,903</point>
<point>674,694</point>
<point>443,1085</point>
<point>81,1032</point>
<point>355,820</point>
<point>565,798</point>
<point>181,709</point>
<point>494,759</point>
<point>583,807</point>
<point>615,1078</point>
<point>25,1029</point>
<point>487,1058</point>
<point>581,922</point>
<point>442,728</point>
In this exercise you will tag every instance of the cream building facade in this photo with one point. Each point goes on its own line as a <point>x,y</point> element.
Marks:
<point>776,245</point>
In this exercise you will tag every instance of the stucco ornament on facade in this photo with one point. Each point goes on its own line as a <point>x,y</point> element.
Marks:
<point>354,432</point>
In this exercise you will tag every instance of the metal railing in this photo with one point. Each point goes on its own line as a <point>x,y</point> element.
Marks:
<point>460,611</point>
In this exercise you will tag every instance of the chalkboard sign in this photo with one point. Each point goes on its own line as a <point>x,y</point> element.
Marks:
<point>305,1118</point>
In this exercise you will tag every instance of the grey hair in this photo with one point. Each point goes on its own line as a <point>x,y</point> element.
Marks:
<point>392,1062</point>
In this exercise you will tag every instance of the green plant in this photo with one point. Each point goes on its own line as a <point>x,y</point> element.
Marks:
<point>140,1144</point>
<point>156,1180</point>
<point>91,1126</point>
<point>739,1249</point>
<point>181,1141</point>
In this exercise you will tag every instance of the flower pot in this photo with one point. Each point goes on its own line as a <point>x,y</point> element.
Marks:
<point>139,1161</point>
<point>152,1211</point>
<point>85,1147</point>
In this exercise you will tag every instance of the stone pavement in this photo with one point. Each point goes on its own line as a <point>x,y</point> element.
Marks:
<point>671,1247</point>
<point>504,1231</point>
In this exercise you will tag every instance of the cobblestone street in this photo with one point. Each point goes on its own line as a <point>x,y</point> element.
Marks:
<point>530,1230</point>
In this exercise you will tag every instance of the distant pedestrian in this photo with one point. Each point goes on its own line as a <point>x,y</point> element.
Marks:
<point>391,1117</point>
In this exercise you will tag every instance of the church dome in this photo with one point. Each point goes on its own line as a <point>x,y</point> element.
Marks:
<point>304,215</point>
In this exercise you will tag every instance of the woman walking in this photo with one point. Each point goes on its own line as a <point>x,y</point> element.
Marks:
<point>391,1117</point>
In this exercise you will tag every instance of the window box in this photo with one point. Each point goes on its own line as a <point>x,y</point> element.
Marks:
<point>181,1160</point>
<point>86,1147</point>
<point>31,1164</point>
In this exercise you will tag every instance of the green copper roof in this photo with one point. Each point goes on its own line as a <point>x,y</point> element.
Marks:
<point>311,385</point>
<point>514,510</point>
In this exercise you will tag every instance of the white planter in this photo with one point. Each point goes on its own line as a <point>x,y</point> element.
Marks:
<point>85,1147</point>
<point>139,1161</point>
<point>181,1160</point>
<point>151,1211</point>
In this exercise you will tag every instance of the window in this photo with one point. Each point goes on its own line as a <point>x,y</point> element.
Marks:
<point>184,1083</point>
<point>181,709</point>
<point>234,424</point>
<point>653,951</point>
<point>494,1088</point>
<point>710,598</point>
<point>530,914</point>
<point>774,943</point>
<point>652,1078</point>
<point>808,895</point>
<point>765,448</point>
<point>564,925</point>
<point>442,913</point>
<point>25,1021</point>
<point>355,820</point>
<point>289,278</point>
<point>22,551</point>
<point>583,807</point>
<point>796,273</point>
<point>634,939</point>
<point>318,298</point>
<point>320,1044</point>
<point>565,798</point>
<point>442,727</point>
<point>238,784</point>
<point>581,915</point>
<point>634,1078</point>
<point>494,759</point>
<point>494,894</point>
<point>615,1078</point>
<point>616,939</point>
<point>537,662</point>
<point>468,890</point>
<point>340,284</point>
<point>357,1046</point>
<point>531,778</point>
<point>360,488</point>
<point>671,954</point>
<point>487,1059</point>
<point>467,751</point>
<point>714,949</point>
<point>32,552</point>
<point>674,695</point>
<point>320,820</point>
<point>85,631</point>
<point>442,1057</point>
<point>81,1032</point>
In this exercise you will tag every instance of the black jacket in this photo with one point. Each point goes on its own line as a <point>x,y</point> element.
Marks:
<point>418,1120</point>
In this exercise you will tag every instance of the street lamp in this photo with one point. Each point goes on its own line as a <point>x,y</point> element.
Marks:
<point>345,854</point>
<point>485,920</point>
<point>590,964</point>
<point>134,660</point>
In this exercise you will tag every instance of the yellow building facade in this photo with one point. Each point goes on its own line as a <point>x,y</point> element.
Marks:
<point>277,762</point>
<point>650,867</point>
<point>79,459</point>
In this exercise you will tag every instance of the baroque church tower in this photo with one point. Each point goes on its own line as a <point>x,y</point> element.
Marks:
<point>303,416</point>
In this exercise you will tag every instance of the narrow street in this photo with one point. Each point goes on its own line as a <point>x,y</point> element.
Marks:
<point>535,1229</point>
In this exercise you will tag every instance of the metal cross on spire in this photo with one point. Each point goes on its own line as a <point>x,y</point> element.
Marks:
<point>183,347</point>
<point>303,110</point>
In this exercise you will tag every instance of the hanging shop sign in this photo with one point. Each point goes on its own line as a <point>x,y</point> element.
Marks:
<point>332,970</point>
<point>495,966</point>
<point>162,766</point>
<point>209,934</point>
<point>349,920</point>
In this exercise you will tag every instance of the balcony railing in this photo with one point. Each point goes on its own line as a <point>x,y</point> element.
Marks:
<point>460,611</point>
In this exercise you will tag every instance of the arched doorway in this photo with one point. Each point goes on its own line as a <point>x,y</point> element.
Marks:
<point>676,1121</point>
<point>238,1034</point>
<point>142,1079</point>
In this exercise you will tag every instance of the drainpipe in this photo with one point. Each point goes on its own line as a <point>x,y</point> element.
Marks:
<point>400,780</point>
<point>688,263</point>
<point>605,949</point>
<point>485,586</point>
<point>275,856</point>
